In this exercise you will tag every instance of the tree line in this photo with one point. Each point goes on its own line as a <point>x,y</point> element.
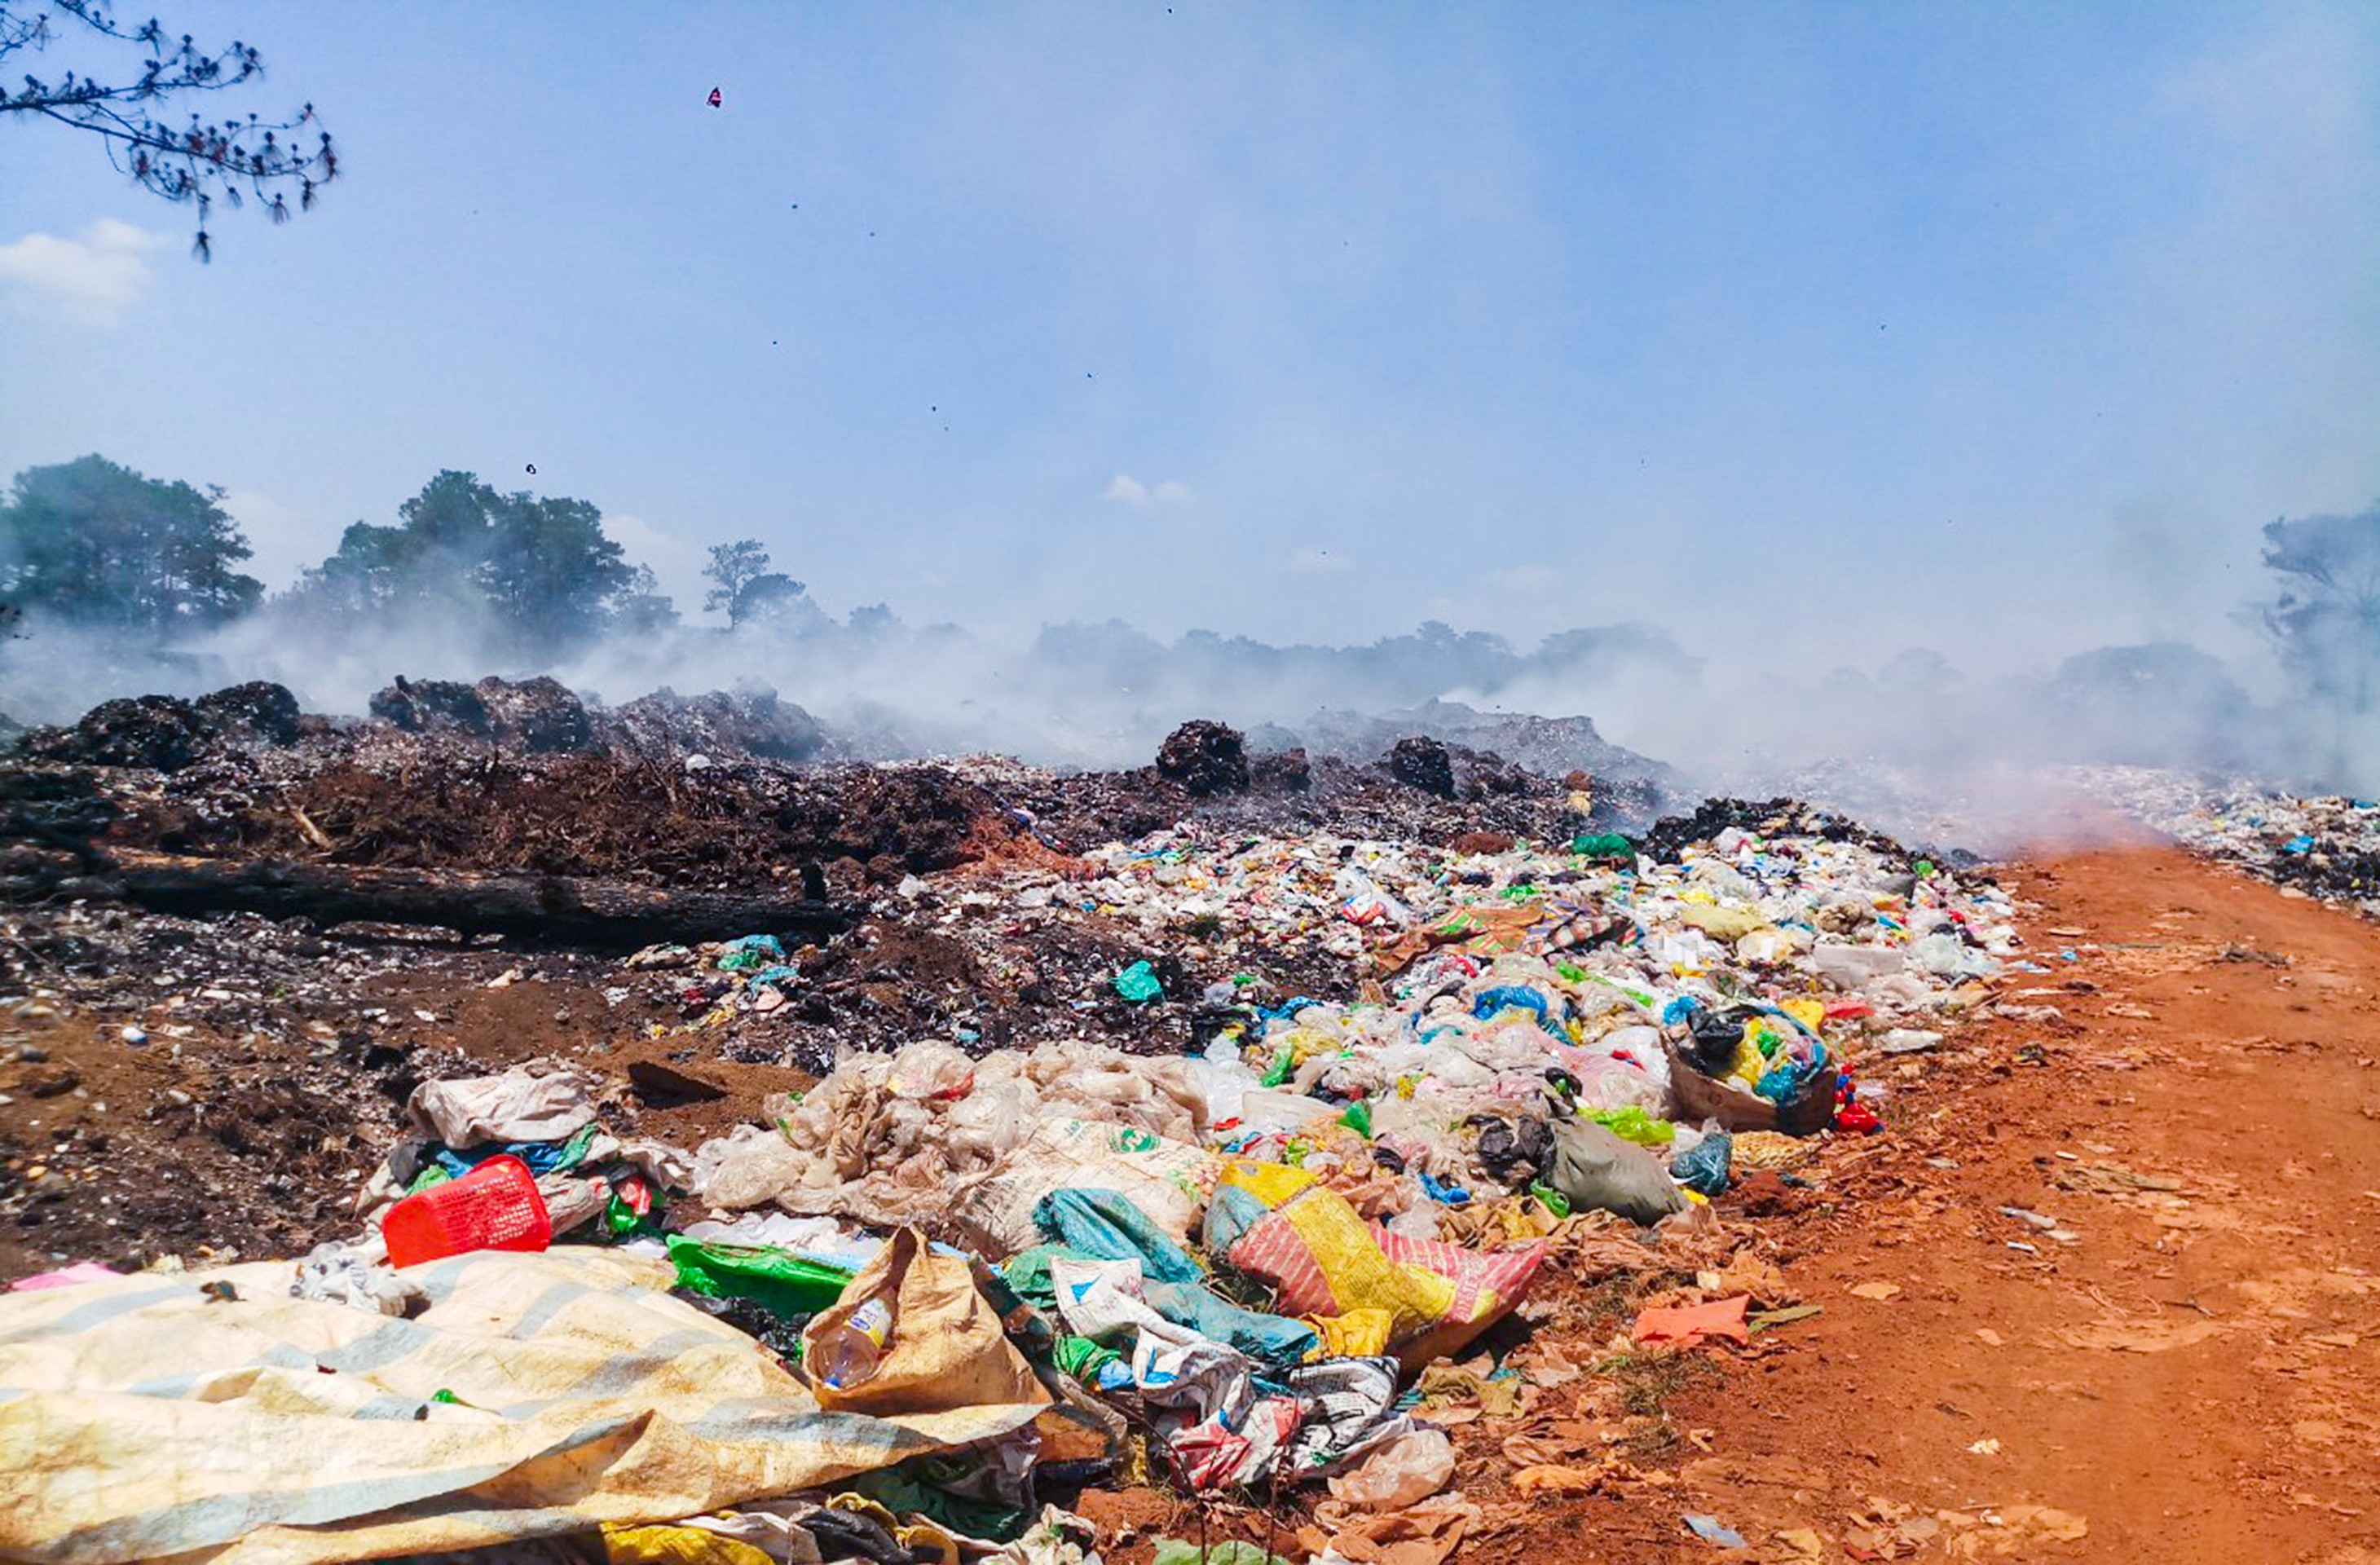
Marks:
<point>92,544</point>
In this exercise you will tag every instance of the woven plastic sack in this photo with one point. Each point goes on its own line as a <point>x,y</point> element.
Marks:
<point>945,1348</point>
<point>1593,1169</point>
<point>1324,1262</point>
<point>1165,1180</point>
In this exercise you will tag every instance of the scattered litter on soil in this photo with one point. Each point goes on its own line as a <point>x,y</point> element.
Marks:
<point>1258,1152</point>
<point>2326,847</point>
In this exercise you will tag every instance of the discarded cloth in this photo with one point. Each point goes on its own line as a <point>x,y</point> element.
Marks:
<point>1102,1224</point>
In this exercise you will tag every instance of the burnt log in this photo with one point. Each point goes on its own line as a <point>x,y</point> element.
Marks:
<point>543,910</point>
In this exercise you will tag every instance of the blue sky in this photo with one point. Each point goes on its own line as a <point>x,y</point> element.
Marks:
<point>1813,332</point>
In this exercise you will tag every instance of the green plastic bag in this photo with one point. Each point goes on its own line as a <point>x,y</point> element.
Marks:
<point>1224,1551</point>
<point>750,954</point>
<point>1082,1358</point>
<point>1633,1123</point>
<point>928,1486</point>
<point>1603,844</point>
<point>777,1279</point>
<point>1358,1118</point>
<point>1137,983</point>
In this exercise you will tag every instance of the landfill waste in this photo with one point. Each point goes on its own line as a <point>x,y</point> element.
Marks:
<point>1538,1027</point>
<point>1689,1324</point>
<point>1204,758</point>
<point>2326,847</point>
<point>1223,1141</point>
<point>1713,1532</point>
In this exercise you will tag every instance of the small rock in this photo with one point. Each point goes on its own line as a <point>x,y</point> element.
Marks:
<point>58,1083</point>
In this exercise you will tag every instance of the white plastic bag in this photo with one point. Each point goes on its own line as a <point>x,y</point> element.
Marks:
<point>1402,1472</point>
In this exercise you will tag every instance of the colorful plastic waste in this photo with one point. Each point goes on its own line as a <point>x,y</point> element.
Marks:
<point>495,1207</point>
<point>1686,1325</point>
<point>790,1285</point>
<point>1139,984</point>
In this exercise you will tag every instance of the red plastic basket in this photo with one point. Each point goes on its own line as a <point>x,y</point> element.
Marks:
<point>495,1207</point>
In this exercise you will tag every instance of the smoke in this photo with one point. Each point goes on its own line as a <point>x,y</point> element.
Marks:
<point>1912,740</point>
<point>1912,384</point>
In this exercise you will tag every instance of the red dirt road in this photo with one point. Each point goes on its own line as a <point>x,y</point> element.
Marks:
<point>2179,1363</point>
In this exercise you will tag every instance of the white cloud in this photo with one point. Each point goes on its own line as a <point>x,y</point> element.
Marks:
<point>1125,490</point>
<point>94,281</point>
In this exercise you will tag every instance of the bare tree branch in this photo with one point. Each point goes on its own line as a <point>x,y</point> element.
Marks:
<point>231,159</point>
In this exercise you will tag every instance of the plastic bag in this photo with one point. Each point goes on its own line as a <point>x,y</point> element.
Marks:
<point>539,1102</point>
<point>1856,967</point>
<point>629,1544</point>
<point>1137,985</point>
<point>748,1167</point>
<point>944,1347</point>
<point>930,1069</point>
<point>1165,1180</point>
<point>788,1285</point>
<point>1592,1168</point>
<point>1402,1472</point>
<point>1222,1551</point>
<point>1634,1124</point>
<point>750,954</point>
<point>1703,1167</point>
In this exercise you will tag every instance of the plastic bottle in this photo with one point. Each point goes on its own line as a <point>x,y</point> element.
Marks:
<point>849,1354</point>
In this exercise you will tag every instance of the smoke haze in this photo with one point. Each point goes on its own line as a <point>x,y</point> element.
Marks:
<point>1812,342</point>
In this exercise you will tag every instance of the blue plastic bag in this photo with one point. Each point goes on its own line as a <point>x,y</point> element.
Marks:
<point>1703,1167</point>
<point>1104,1225</point>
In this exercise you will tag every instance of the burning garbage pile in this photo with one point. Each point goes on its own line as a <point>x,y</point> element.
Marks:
<point>2326,847</point>
<point>1307,1092</point>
